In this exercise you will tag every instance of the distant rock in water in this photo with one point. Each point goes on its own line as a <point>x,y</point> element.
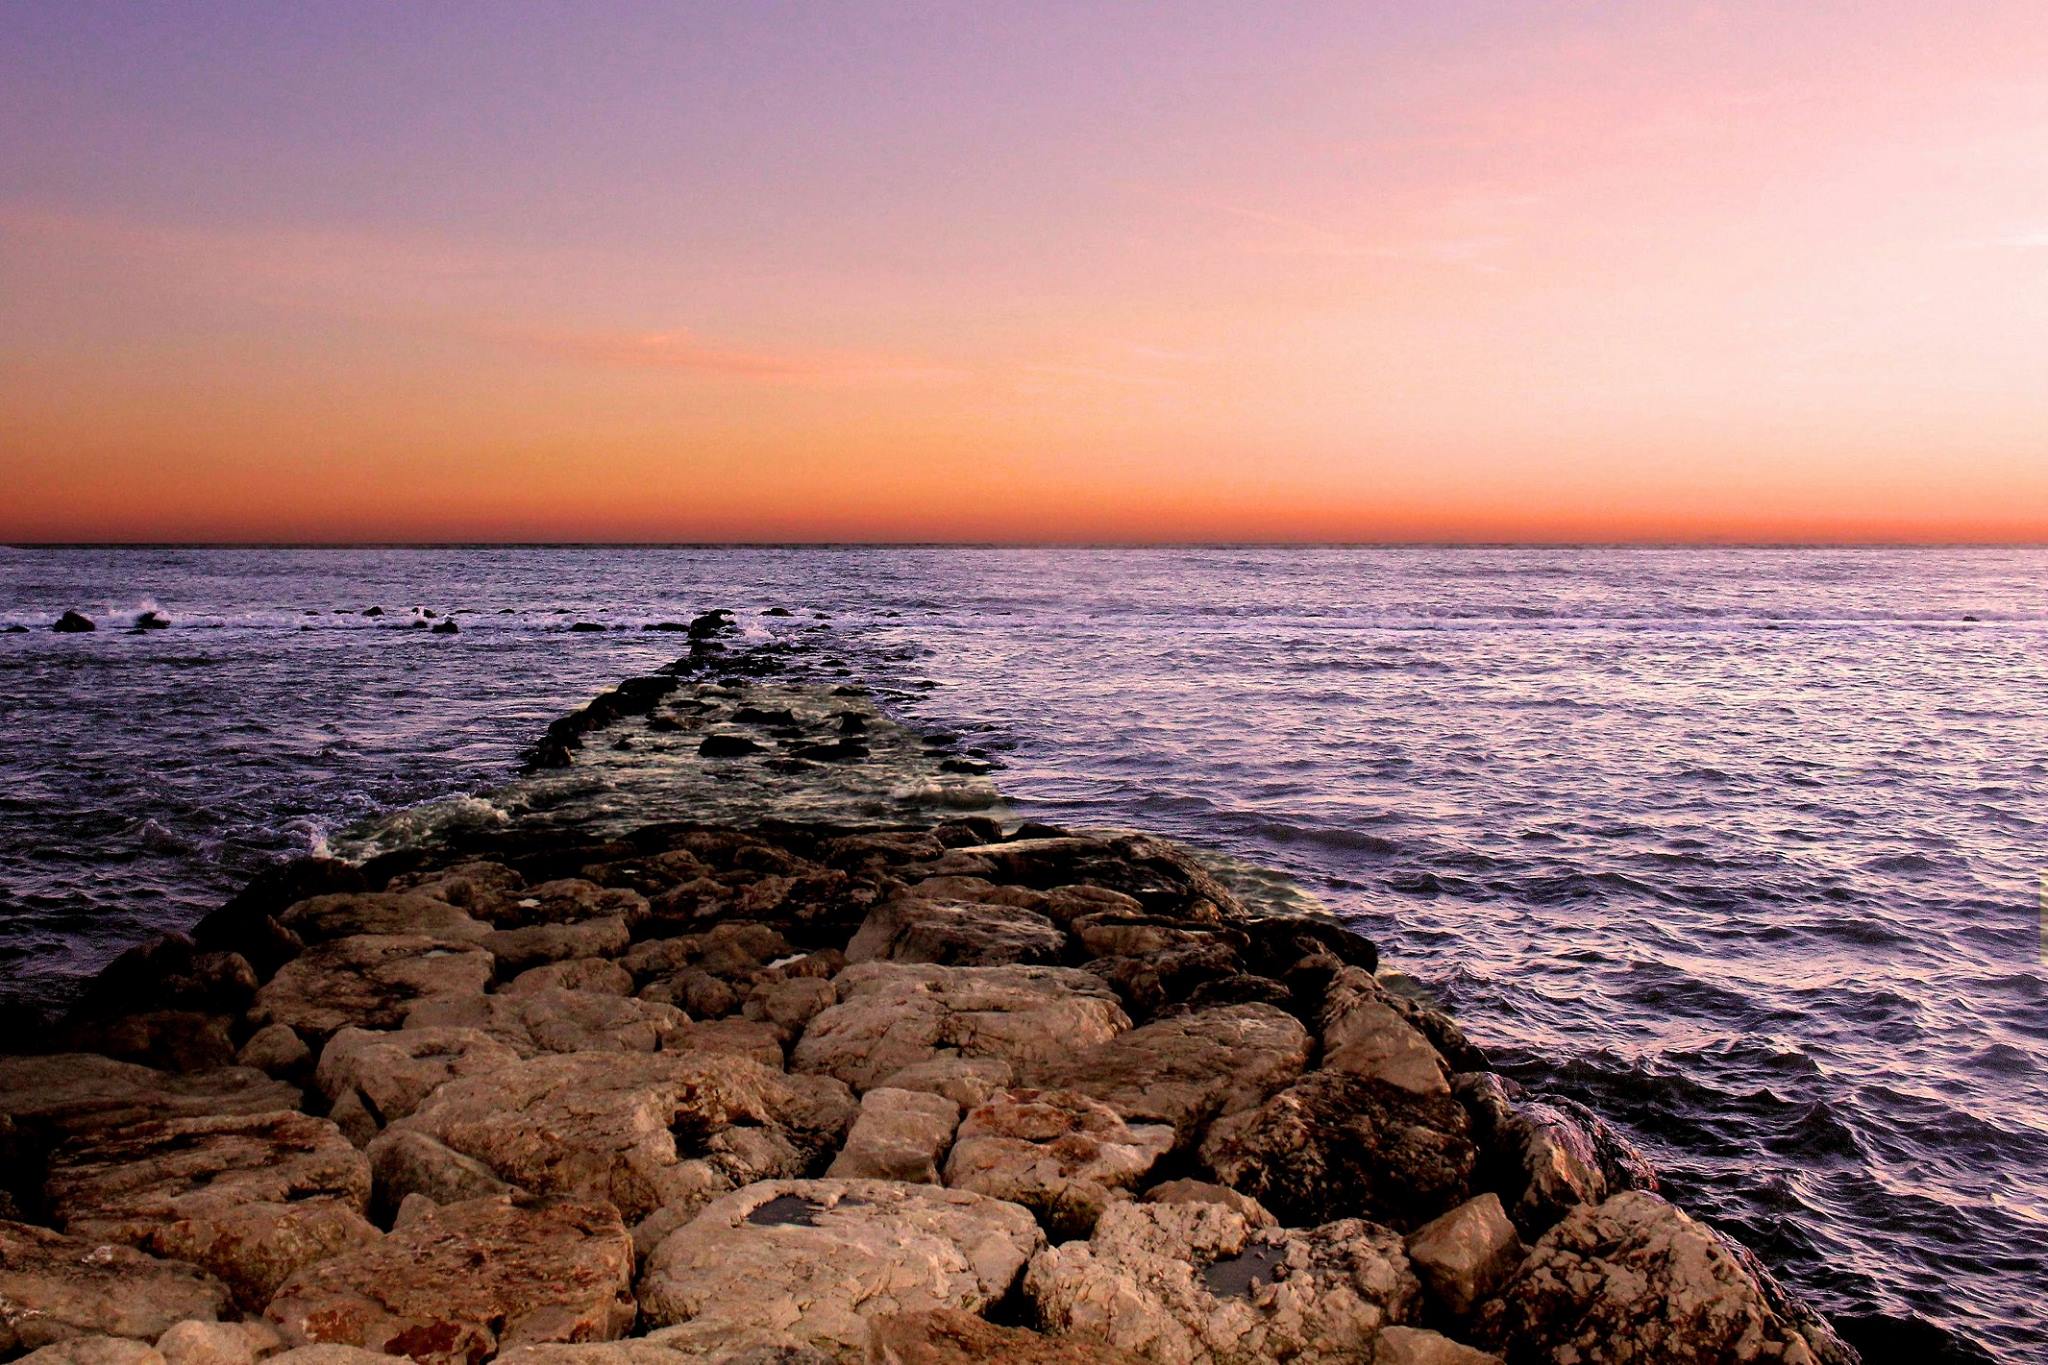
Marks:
<point>373,611</point>
<point>152,620</point>
<point>727,746</point>
<point>777,611</point>
<point>712,623</point>
<point>446,628</point>
<point>586,626</point>
<point>73,623</point>
<point>17,630</point>
<point>665,625</point>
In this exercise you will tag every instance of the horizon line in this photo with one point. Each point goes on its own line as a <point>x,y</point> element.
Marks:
<point>1392,544</point>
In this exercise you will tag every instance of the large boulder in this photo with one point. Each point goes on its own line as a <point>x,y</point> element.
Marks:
<point>96,1351</point>
<point>1336,1143</point>
<point>1186,1070</point>
<point>54,1287</point>
<point>320,919</point>
<point>369,981</point>
<point>900,1135</point>
<point>567,900</point>
<point>1198,1284</point>
<point>1633,1279</point>
<point>554,1020</point>
<point>1057,1152</point>
<point>642,1130</point>
<point>948,1336</point>
<point>1466,1254</point>
<point>78,1092</point>
<point>249,1198</point>
<point>597,974</point>
<point>1366,1035</point>
<point>194,1342</point>
<point>815,1259</point>
<point>1546,1156</point>
<point>533,945</point>
<point>453,1284</point>
<point>959,933</point>
<point>373,1076</point>
<point>892,1015</point>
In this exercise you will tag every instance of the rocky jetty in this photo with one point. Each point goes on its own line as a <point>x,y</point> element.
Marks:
<point>808,1092</point>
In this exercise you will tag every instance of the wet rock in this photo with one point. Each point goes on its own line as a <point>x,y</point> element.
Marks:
<point>1279,942</point>
<point>727,746</point>
<point>368,981</point>
<point>958,933</point>
<point>152,620</point>
<point>1546,1157</point>
<point>816,1259</point>
<point>445,628</point>
<point>457,1282</point>
<point>96,1351</point>
<point>712,623</point>
<point>597,975</point>
<point>1187,1070</point>
<point>1365,1036</point>
<point>584,627</point>
<point>403,1164</point>
<point>276,1050</point>
<point>1334,1143</point>
<point>390,1073</point>
<point>1419,1346</point>
<point>324,918</point>
<point>218,1343</point>
<point>73,623</point>
<point>892,1015</point>
<point>1463,1256</point>
<point>900,1135</point>
<point>77,1092</point>
<point>249,1198</point>
<point>554,1020</point>
<point>951,1337</point>
<point>54,1287</point>
<point>1057,1152</point>
<point>538,944</point>
<point>640,1129</point>
<point>1633,1279</point>
<point>1186,1283</point>
<point>173,1040</point>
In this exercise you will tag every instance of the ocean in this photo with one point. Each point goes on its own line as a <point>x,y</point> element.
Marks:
<point>1742,846</point>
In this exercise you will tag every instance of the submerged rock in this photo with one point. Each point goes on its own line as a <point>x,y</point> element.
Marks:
<point>74,623</point>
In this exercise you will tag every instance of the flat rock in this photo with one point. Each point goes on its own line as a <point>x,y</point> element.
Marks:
<point>249,1198</point>
<point>388,1073</point>
<point>596,974</point>
<point>457,1282</point>
<point>217,1343</point>
<point>640,1129</point>
<point>749,1038</point>
<point>1186,1070</point>
<point>948,1336</point>
<point>788,1004</point>
<point>534,945</point>
<point>815,1259</point>
<point>566,900</point>
<point>369,981</point>
<point>553,1020</point>
<point>900,1135</point>
<point>79,1092</point>
<point>1419,1346</point>
<point>175,1040</point>
<point>97,1351</point>
<point>1334,1143</point>
<point>1058,1153</point>
<point>1464,1255</point>
<point>735,949</point>
<point>892,1015</point>
<point>1633,1279</point>
<point>463,884</point>
<point>320,919</point>
<point>967,1081</point>
<point>1185,1283</point>
<point>958,933</point>
<point>54,1287</point>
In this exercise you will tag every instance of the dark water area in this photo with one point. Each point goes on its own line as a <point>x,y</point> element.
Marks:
<point>1743,847</point>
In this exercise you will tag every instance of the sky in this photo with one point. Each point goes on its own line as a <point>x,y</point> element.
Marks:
<point>1463,271</point>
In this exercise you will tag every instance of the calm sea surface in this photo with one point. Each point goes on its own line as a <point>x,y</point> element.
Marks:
<point>1744,847</point>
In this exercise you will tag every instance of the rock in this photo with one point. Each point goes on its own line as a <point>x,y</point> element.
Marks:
<point>696,992</point>
<point>1463,1256</point>
<point>1186,1191</point>
<point>967,1081</point>
<point>276,1050</point>
<point>96,1351</point>
<point>408,1165</point>
<point>218,1343</point>
<point>1418,1346</point>
<point>457,1282</point>
<point>467,884</point>
<point>536,944</point>
<point>175,1040</point>
<point>950,1337</point>
<point>892,1015</point>
<point>565,900</point>
<point>53,1288</point>
<point>639,1129</point>
<point>73,623</point>
<point>78,1092</point>
<point>1633,1279</point>
<point>1186,1070</point>
<point>735,949</point>
<point>1365,1036</point>
<point>1194,1282</point>
<point>445,628</point>
<point>249,1198</point>
<point>369,980</point>
<point>321,919</point>
<point>960,933</point>
<point>900,1135</point>
<point>152,620</point>
<point>551,1020</point>
<point>789,1004</point>
<point>747,1038</point>
<point>1549,1156</point>
<point>815,1259</point>
<point>391,1073</point>
<point>594,974</point>
<point>727,746</point>
<point>581,627</point>
<point>170,972</point>
<point>1057,1152</point>
<point>1333,1143</point>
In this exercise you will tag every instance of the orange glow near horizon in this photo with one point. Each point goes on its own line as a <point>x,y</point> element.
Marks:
<point>1498,273</point>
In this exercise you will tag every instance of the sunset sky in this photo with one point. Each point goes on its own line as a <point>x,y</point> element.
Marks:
<point>1447,271</point>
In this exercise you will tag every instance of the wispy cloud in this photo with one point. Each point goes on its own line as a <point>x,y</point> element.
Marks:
<point>688,354</point>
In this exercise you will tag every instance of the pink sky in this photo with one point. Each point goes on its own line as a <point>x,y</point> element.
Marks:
<point>1463,271</point>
